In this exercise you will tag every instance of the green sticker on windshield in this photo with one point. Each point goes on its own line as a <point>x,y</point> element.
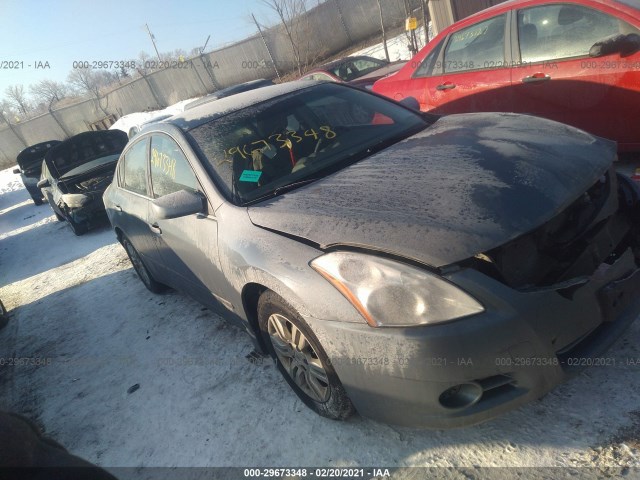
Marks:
<point>250,176</point>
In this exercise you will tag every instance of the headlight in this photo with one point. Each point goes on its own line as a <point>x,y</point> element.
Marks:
<point>392,294</point>
<point>75,200</point>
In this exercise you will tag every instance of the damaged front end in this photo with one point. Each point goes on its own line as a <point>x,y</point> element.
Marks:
<point>588,256</point>
<point>82,201</point>
<point>595,231</point>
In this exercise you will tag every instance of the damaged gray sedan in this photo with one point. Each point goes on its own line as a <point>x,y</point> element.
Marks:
<point>422,270</point>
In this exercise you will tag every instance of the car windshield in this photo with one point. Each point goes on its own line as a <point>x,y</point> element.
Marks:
<point>264,149</point>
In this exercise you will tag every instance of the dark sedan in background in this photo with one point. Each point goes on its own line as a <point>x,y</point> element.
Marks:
<point>227,92</point>
<point>30,167</point>
<point>423,270</point>
<point>359,71</point>
<point>75,174</point>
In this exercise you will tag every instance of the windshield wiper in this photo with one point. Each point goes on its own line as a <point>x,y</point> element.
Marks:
<point>282,189</point>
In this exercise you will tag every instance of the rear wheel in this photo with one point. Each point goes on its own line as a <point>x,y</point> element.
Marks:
<point>141,269</point>
<point>301,359</point>
<point>37,201</point>
<point>59,217</point>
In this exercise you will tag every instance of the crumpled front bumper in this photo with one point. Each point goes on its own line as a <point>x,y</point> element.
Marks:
<point>84,207</point>
<point>469,370</point>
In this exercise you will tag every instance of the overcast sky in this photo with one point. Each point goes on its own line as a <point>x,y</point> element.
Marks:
<point>35,31</point>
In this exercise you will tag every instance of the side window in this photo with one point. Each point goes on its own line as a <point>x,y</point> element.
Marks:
<point>478,46</point>
<point>120,172</point>
<point>563,31</point>
<point>428,65</point>
<point>170,170</point>
<point>135,168</point>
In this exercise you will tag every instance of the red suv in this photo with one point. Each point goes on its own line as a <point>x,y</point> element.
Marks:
<point>576,62</point>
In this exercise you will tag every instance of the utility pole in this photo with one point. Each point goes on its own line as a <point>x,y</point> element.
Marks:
<point>153,40</point>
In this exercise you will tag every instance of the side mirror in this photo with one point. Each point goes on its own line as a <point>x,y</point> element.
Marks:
<point>619,43</point>
<point>410,102</point>
<point>178,204</point>
<point>44,183</point>
<point>16,170</point>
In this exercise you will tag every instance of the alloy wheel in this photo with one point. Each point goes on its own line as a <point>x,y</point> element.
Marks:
<point>298,357</point>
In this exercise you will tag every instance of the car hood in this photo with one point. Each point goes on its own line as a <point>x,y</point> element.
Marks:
<point>30,159</point>
<point>464,185</point>
<point>84,148</point>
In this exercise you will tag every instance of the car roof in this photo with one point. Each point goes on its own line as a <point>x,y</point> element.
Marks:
<point>196,116</point>
<point>232,90</point>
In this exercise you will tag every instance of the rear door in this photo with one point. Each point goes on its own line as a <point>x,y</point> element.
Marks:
<point>469,71</point>
<point>555,77</point>
<point>187,245</point>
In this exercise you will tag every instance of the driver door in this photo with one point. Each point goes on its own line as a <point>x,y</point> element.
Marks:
<point>188,246</point>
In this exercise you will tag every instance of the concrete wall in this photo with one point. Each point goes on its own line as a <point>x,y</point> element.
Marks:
<point>326,30</point>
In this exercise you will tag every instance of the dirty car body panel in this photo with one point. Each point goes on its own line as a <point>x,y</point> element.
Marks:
<point>76,173</point>
<point>396,200</point>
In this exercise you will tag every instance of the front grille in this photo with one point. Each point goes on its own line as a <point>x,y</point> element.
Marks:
<point>496,386</point>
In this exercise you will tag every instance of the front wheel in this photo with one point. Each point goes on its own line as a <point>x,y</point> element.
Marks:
<point>301,359</point>
<point>141,269</point>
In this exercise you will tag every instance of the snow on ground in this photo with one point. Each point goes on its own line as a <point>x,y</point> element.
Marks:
<point>125,122</point>
<point>396,46</point>
<point>77,307</point>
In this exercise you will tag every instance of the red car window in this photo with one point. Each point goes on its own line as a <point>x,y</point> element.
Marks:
<point>475,47</point>
<point>558,31</point>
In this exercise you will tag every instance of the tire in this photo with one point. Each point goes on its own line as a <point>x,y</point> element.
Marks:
<point>140,268</point>
<point>295,349</point>
<point>37,201</point>
<point>59,217</point>
<point>78,228</point>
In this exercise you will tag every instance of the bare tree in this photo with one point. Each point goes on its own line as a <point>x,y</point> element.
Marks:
<point>384,33</point>
<point>18,98</point>
<point>85,80</point>
<point>89,81</point>
<point>292,15</point>
<point>144,63</point>
<point>7,108</point>
<point>49,91</point>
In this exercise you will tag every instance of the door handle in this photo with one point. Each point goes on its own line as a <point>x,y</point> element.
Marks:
<point>117,208</point>
<point>536,78</point>
<point>446,86</point>
<point>155,228</point>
